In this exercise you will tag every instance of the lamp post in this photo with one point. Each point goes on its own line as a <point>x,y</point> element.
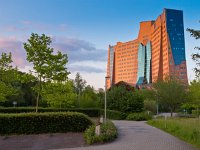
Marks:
<point>105,103</point>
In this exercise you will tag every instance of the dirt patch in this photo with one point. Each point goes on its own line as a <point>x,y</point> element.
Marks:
<point>42,141</point>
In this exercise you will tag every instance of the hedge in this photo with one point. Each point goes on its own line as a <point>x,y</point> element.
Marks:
<point>108,132</point>
<point>139,116</point>
<point>35,123</point>
<point>92,112</point>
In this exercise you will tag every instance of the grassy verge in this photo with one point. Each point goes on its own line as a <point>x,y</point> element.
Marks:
<point>108,132</point>
<point>187,129</point>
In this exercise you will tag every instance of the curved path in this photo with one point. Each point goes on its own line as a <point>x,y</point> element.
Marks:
<point>140,136</point>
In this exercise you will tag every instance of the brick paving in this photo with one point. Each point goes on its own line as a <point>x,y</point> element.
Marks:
<point>140,136</point>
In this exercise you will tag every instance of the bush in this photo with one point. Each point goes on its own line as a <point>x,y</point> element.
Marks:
<point>108,133</point>
<point>35,123</point>
<point>92,112</point>
<point>113,114</point>
<point>139,116</point>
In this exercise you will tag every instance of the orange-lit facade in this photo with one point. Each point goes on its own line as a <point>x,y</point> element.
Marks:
<point>158,51</point>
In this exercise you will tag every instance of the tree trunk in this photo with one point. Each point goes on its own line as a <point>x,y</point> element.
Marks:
<point>38,96</point>
<point>37,101</point>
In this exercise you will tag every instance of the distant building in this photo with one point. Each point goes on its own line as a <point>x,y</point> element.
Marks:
<point>158,51</point>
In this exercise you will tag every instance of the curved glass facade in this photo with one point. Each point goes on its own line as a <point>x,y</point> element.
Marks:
<point>148,62</point>
<point>144,64</point>
<point>141,64</point>
<point>175,29</point>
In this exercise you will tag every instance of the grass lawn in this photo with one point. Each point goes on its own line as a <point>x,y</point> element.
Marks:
<point>187,129</point>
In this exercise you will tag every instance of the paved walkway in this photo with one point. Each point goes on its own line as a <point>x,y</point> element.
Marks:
<point>140,136</point>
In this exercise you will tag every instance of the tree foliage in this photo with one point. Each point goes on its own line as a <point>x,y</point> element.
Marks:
<point>89,99</point>
<point>5,61</point>
<point>59,94</point>
<point>7,77</point>
<point>47,66</point>
<point>170,93</point>
<point>126,101</point>
<point>79,83</point>
<point>194,93</point>
<point>196,56</point>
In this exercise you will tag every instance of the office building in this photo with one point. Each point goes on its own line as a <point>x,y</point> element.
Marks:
<point>158,52</point>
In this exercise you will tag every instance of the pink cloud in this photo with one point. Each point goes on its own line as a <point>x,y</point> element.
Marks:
<point>11,44</point>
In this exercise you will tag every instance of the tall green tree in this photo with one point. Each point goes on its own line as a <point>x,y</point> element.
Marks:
<point>196,56</point>
<point>171,93</point>
<point>89,99</point>
<point>47,66</point>
<point>79,85</point>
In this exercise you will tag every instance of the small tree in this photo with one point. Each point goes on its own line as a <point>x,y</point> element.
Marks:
<point>47,66</point>
<point>171,93</point>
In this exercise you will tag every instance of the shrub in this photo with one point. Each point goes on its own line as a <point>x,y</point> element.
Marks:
<point>113,114</point>
<point>35,123</point>
<point>108,133</point>
<point>139,116</point>
<point>92,112</point>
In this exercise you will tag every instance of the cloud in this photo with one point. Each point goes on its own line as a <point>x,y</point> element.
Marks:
<point>83,56</point>
<point>11,44</point>
<point>95,79</point>
<point>79,50</point>
<point>88,66</point>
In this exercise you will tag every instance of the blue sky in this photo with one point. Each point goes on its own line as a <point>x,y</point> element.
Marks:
<point>84,28</point>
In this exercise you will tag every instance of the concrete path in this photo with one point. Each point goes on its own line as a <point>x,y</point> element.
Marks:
<point>140,136</point>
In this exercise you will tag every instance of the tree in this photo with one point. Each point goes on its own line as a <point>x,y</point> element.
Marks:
<point>5,61</point>
<point>5,91</point>
<point>7,76</point>
<point>171,93</point>
<point>79,85</point>
<point>194,93</point>
<point>119,98</point>
<point>47,66</point>
<point>89,99</point>
<point>101,96</point>
<point>149,99</point>
<point>196,56</point>
<point>59,94</point>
